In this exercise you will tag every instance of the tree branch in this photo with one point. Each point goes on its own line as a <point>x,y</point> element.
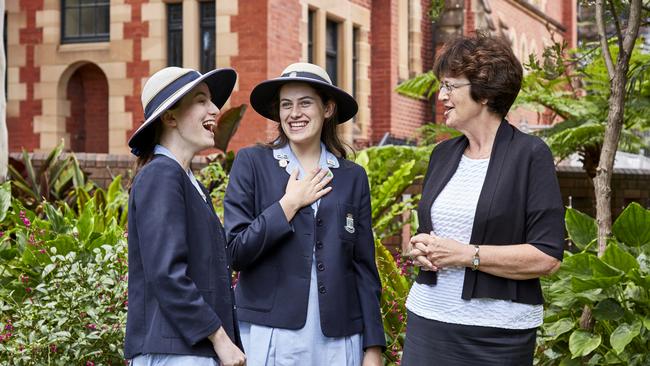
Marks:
<point>600,25</point>
<point>617,24</point>
<point>632,30</point>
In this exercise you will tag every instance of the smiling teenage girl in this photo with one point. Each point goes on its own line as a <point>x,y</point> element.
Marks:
<point>297,217</point>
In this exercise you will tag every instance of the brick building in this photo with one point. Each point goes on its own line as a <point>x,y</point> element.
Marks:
<point>76,67</point>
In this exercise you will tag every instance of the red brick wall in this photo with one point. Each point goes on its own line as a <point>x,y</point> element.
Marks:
<point>88,122</point>
<point>383,65</point>
<point>21,128</point>
<point>269,40</point>
<point>390,112</point>
<point>137,69</point>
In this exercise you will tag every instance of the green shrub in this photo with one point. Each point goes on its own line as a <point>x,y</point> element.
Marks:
<point>76,314</point>
<point>614,288</point>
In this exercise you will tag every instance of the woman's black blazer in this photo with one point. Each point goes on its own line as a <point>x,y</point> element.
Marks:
<point>274,257</point>
<point>520,202</point>
<point>179,283</point>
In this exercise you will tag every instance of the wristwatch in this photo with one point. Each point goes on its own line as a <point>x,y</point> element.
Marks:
<point>476,260</point>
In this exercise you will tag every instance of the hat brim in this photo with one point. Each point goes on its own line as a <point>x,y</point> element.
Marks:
<point>265,92</point>
<point>220,82</point>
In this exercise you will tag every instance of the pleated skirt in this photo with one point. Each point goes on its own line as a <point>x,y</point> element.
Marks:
<point>431,343</point>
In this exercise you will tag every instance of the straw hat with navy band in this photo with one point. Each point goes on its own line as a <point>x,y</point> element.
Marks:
<point>267,91</point>
<point>168,86</point>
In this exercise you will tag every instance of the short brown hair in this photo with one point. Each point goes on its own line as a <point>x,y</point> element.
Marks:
<point>490,66</point>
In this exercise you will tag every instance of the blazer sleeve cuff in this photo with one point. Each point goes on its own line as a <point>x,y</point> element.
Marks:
<point>210,328</point>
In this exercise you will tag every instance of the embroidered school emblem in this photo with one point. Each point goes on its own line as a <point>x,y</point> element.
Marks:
<point>349,224</point>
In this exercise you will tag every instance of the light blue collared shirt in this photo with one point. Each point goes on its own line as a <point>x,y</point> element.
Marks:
<point>161,150</point>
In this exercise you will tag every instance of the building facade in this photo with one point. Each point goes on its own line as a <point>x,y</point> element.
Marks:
<point>76,67</point>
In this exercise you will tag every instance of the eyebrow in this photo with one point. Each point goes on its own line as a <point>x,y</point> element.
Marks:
<point>299,99</point>
<point>200,93</point>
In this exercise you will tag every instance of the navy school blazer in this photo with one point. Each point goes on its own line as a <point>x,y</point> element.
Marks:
<point>179,281</point>
<point>520,202</point>
<point>274,257</point>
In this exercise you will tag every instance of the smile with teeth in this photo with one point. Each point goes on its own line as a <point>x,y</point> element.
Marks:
<point>297,125</point>
<point>209,125</point>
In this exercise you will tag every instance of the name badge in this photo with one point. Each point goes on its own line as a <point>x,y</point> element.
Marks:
<point>349,223</point>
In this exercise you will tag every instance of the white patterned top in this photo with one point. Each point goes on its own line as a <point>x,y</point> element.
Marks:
<point>452,216</point>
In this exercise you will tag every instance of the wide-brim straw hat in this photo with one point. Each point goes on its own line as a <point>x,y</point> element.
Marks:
<point>168,86</point>
<point>266,92</point>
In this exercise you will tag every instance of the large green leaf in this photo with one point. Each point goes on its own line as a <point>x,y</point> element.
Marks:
<point>618,258</point>
<point>623,335</point>
<point>601,269</point>
<point>582,343</point>
<point>5,199</point>
<point>558,328</point>
<point>580,284</point>
<point>633,225</point>
<point>582,228</point>
<point>608,309</point>
<point>577,264</point>
<point>86,221</point>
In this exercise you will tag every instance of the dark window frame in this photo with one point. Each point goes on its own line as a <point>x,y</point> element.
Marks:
<point>311,14</point>
<point>332,35</point>
<point>81,37</point>
<point>174,30</point>
<point>207,23</point>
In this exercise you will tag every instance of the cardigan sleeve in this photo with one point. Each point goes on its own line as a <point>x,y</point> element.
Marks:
<point>248,233</point>
<point>159,211</point>
<point>544,207</point>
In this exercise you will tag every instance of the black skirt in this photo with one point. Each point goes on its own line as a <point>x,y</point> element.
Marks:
<point>431,343</point>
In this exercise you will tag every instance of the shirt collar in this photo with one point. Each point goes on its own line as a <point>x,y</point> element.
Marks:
<point>285,156</point>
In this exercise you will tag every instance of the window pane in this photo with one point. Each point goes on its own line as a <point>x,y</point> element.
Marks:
<point>88,21</point>
<point>71,23</point>
<point>70,3</point>
<point>310,36</point>
<point>175,35</point>
<point>102,20</point>
<point>331,48</point>
<point>207,33</point>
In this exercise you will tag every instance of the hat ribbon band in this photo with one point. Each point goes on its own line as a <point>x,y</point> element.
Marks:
<point>168,91</point>
<point>304,74</point>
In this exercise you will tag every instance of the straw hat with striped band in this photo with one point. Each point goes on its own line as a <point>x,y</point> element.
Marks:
<point>267,91</point>
<point>168,86</point>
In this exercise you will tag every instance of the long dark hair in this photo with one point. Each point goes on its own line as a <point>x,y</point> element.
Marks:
<point>328,136</point>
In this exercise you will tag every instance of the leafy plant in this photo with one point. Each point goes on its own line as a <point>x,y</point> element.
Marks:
<point>573,86</point>
<point>76,314</point>
<point>615,287</point>
<point>57,178</point>
<point>391,171</point>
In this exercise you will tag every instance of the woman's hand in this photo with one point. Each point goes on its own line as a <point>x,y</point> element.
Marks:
<point>416,251</point>
<point>372,357</point>
<point>443,252</point>
<point>229,354</point>
<point>304,192</point>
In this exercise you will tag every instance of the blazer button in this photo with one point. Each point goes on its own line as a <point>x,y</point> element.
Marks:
<point>320,266</point>
<point>319,222</point>
<point>319,245</point>
<point>321,289</point>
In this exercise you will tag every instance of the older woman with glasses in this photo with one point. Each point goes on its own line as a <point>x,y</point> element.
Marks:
<point>491,220</point>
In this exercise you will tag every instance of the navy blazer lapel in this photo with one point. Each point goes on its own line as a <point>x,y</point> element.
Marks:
<point>434,185</point>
